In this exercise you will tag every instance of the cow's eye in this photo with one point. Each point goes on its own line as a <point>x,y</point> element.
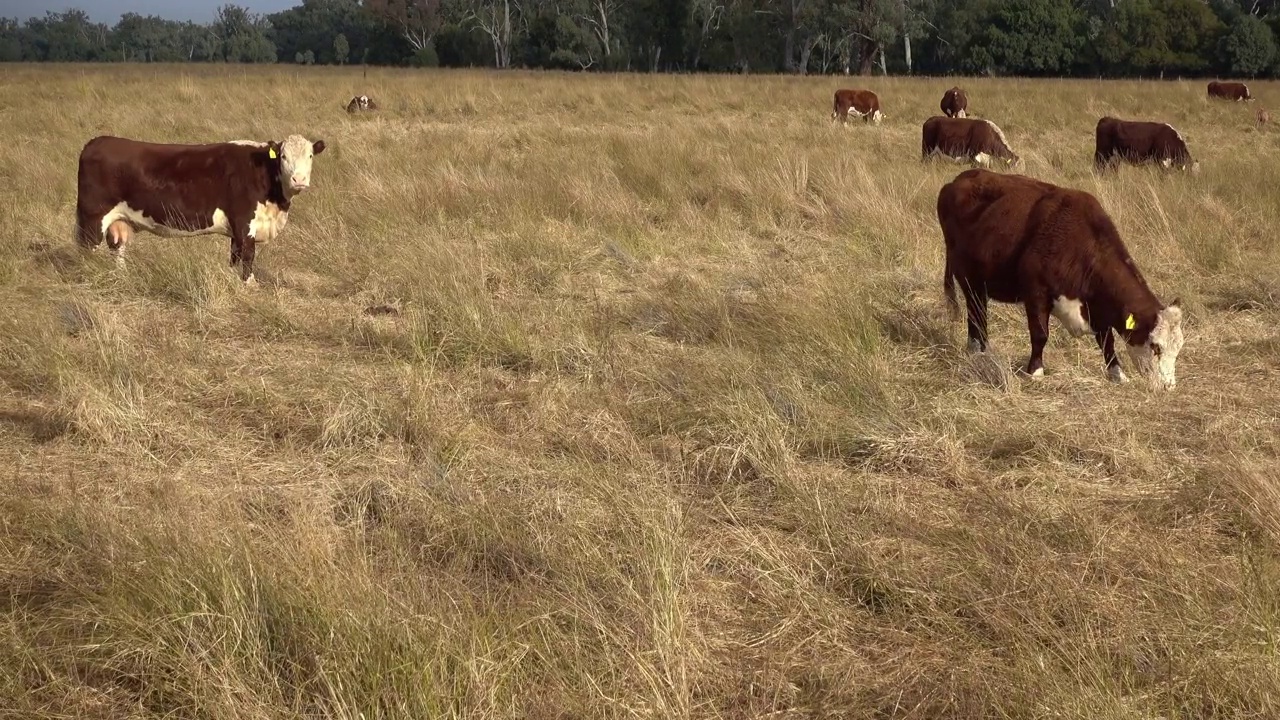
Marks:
<point>1156,349</point>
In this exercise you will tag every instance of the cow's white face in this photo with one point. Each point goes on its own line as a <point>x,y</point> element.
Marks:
<point>1157,357</point>
<point>364,102</point>
<point>296,153</point>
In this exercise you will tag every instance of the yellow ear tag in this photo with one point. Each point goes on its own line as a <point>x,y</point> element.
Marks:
<point>271,153</point>
<point>1129,324</point>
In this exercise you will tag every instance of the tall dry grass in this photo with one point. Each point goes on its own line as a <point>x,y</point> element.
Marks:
<point>667,420</point>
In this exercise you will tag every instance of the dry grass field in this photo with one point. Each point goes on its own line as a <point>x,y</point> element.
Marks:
<point>667,419</point>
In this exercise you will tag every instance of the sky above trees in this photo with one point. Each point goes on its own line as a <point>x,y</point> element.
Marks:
<point>109,11</point>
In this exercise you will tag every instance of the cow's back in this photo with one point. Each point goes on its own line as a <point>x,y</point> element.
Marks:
<point>984,217</point>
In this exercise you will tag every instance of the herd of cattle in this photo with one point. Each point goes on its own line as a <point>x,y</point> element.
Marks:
<point>955,135</point>
<point>1008,238</point>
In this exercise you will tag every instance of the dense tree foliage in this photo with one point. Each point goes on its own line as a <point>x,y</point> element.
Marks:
<point>1150,38</point>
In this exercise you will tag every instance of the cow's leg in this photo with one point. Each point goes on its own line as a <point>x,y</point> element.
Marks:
<point>1107,343</point>
<point>1038,325</point>
<point>247,254</point>
<point>88,229</point>
<point>975,300</point>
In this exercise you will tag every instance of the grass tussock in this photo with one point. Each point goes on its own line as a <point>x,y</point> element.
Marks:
<point>616,397</point>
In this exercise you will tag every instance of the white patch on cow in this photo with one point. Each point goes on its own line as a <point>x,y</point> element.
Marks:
<point>1166,163</point>
<point>1176,133</point>
<point>1071,314</point>
<point>268,221</point>
<point>251,280</point>
<point>960,114</point>
<point>250,143</point>
<point>1116,374</point>
<point>877,116</point>
<point>1039,373</point>
<point>1157,357</point>
<point>974,347</point>
<point>140,221</point>
<point>982,159</point>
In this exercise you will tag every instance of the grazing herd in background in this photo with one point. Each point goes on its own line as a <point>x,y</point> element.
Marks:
<point>1008,238</point>
<point>1015,239</point>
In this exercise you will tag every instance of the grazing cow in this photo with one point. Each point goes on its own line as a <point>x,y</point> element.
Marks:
<point>955,103</point>
<point>241,189</point>
<point>1137,142</point>
<point>972,139</point>
<point>1013,239</point>
<point>863,103</point>
<point>1229,91</point>
<point>361,102</point>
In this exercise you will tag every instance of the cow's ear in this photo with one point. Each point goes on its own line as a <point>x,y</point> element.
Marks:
<point>317,147</point>
<point>273,150</point>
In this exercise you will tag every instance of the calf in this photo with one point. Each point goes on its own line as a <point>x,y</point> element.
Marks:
<point>1229,91</point>
<point>1138,142</point>
<point>862,103</point>
<point>361,102</point>
<point>241,189</point>
<point>1013,239</point>
<point>972,139</point>
<point>954,103</point>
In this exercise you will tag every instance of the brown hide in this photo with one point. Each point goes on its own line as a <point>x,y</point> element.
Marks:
<point>1014,239</point>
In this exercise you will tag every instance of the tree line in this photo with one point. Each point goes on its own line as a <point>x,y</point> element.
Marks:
<point>1111,38</point>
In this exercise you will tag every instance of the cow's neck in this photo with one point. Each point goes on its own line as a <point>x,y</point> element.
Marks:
<point>278,194</point>
<point>1120,292</point>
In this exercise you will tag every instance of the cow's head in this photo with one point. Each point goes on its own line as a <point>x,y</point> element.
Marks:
<point>295,155</point>
<point>364,102</point>
<point>1157,355</point>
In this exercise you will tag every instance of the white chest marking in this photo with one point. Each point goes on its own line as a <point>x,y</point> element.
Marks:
<point>982,159</point>
<point>960,113</point>
<point>139,220</point>
<point>268,221</point>
<point>1070,314</point>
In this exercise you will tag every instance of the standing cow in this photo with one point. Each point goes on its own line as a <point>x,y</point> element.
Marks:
<point>862,103</point>
<point>1013,239</point>
<point>1138,142</point>
<point>241,189</point>
<point>955,103</point>
<point>974,139</point>
<point>1229,91</point>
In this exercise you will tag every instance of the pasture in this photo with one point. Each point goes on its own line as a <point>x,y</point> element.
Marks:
<point>570,396</point>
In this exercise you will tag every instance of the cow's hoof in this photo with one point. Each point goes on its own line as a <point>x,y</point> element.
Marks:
<point>1116,375</point>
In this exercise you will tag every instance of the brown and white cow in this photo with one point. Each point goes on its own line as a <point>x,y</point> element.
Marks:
<point>954,103</point>
<point>1013,239</point>
<point>862,103</point>
<point>1229,91</point>
<point>361,102</point>
<point>241,189</point>
<point>974,139</point>
<point>1137,142</point>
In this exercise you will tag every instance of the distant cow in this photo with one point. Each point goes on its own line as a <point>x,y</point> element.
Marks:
<point>972,139</point>
<point>1013,239</point>
<point>241,189</point>
<point>1138,142</point>
<point>954,103</point>
<point>361,102</point>
<point>862,103</point>
<point>1229,91</point>
<point>1263,117</point>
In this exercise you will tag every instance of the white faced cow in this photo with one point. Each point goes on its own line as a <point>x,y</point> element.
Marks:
<point>241,189</point>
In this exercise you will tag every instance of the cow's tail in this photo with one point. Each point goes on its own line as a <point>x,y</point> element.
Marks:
<point>949,287</point>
